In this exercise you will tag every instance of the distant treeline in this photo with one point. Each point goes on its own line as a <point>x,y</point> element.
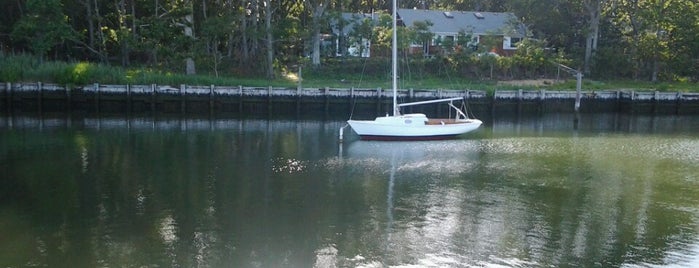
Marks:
<point>647,40</point>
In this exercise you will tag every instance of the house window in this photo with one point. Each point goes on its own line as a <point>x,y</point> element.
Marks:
<point>514,41</point>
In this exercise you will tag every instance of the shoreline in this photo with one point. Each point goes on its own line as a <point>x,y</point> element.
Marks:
<point>363,102</point>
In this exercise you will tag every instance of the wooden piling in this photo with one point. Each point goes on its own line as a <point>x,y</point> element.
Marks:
<point>519,101</point>
<point>183,100</point>
<point>269,100</point>
<point>211,100</point>
<point>240,99</point>
<point>544,97</point>
<point>326,104</point>
<point>297,97</point>
<point>69,101</point>
<point>352,101</point>
<point>96,87</point>
<point>39,93</point>
<point>578,89</point>
<point>128,99</point>
<point>378,100</point>
<point>153,97</point>
<point>8,96</point>
<point>655,102</point>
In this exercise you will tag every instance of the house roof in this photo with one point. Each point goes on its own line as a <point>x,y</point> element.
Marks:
<point>480,23</point>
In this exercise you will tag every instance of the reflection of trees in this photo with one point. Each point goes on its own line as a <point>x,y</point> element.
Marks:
<point>159,197</point>
<point>545,201</point>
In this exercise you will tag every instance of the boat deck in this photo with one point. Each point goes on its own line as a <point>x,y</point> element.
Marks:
<point>442,121</point>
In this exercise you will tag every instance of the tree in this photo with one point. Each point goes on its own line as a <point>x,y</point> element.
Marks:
<point>423,35</point>
<point>43,27</point>
<point>361,31</point>
<point>317,9</point>
<point>594,13</point>
<point>643,27</point>
<point>382,34</point>
<point>464,42</point>
<point>682,38</point>
<point>448,45</point>
<point>531,57</point>
<point>188,25</point>
<point>213,34</point>
<point>562,26</point>
<point>11,13</point>
<point>269,39</point>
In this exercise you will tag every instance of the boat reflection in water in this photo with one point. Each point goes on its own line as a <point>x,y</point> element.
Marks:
<point>420,219</point>
<point>429,157</point>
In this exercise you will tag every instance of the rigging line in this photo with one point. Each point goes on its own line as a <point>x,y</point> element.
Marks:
<point>354,103</point>
<point>361,78</point>
<point>446,71</point>
<point>465,104</point>
<point>361,75</point>
<point>467,108</point>
<point>408,70</point>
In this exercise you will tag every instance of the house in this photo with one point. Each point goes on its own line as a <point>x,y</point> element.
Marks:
<point>502,28</point>
<point>349,24</point>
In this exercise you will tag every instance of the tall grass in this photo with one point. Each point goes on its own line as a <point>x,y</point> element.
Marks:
<point>25,68</point>
<point>338,74</point>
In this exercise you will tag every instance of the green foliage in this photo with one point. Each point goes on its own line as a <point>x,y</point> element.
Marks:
<point>13,68</point>
<point>639,40</point>
<point>530,57</point>
<point>381,38</point>
<point>361,31</point>
<point>339,68</point>
<point>44,27</point>
<point>420,33</point>
<point>448,45</point>
<point>439,72</point>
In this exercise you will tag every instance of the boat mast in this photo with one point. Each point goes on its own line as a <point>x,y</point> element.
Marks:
<point>394,59</point>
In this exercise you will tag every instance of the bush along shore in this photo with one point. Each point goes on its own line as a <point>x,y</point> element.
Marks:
<point>363,102</point>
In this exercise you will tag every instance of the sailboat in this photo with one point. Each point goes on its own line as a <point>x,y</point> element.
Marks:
<point>415,126</point>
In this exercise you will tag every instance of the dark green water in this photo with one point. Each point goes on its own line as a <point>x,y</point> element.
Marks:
<point>607,191</point>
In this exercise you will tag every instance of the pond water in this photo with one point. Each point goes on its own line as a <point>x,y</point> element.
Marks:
<point>603,190</point>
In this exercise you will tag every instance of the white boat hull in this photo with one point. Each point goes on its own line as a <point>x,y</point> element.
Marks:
<point>412,127</point>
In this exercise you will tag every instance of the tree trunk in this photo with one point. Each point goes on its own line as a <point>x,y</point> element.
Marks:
<point>245,54</point>
<point>269,41</point>
<point>90,24</point>
<point>660,35</point>
<point>341,39</point>
<point>123,39</point>
<point>635,29</point>
<point>189,32</point>
<point>317,14</point>
<point>318,9</point>
<point>594,10</point>
<point>102,49</point>
<point>255,41</point>
<point>133,18</point>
